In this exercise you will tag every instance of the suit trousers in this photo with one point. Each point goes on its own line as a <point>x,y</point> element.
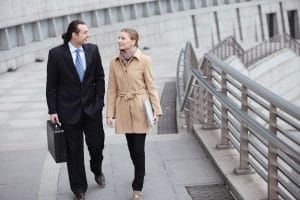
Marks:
<point>94,137</point>
<point>136,146</point>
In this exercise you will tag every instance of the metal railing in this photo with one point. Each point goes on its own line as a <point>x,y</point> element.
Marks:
<point>187,57</point>
<point>229,47</point>
<point>226,48</point>
<point>269,47</point>
<point>262,126</point>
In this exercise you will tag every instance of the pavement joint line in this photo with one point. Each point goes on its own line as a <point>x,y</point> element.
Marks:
<point>22,147</point>
<point>49,180</point>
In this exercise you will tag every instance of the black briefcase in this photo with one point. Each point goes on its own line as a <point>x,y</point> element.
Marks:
<point>56,142</point>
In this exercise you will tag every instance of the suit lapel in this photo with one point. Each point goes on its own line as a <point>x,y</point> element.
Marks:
<point>88,59</point>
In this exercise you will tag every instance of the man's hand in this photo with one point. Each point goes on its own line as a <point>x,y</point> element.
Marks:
<point>54,118</point>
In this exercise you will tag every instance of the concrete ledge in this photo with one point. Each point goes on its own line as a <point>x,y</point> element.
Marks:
<point>246,187</point>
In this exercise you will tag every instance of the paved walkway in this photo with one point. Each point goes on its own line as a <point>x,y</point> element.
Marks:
<point>27,171</point>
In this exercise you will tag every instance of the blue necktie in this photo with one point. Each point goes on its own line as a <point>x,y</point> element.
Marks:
<point>78,65</point>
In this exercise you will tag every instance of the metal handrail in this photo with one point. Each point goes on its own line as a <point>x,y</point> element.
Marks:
<point>253,86</point>
<point>269,47</point>
<point>179,79</point>
<point>229,47</point>
<point>225,90</point>
<point>189,58</point>
<point>281,104</point>
<point>289,108</point>
<point>274,99</point>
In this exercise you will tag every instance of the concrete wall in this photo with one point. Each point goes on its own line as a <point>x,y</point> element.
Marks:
<point>24,11</point>
<point>28,33</point>
<point>291,5</point>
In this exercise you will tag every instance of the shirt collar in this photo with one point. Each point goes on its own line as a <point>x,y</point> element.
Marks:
<point>72,48</point>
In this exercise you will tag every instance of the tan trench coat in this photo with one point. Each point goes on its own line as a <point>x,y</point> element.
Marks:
<point>128,87</point>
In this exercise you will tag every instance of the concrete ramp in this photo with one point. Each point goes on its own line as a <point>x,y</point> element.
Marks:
<point>173,161</point>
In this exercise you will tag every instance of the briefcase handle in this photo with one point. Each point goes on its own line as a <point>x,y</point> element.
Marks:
<point>57,127</point>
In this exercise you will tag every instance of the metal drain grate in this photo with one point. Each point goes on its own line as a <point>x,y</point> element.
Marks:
<point>209,192</point>
<point>168,123</point>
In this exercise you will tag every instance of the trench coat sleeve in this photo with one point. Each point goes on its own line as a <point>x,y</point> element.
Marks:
<point>111,93</point>
<point>150,86</point>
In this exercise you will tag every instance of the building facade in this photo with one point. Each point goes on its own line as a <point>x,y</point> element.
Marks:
<point>29,28</point>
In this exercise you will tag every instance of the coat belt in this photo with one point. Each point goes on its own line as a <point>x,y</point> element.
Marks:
<point>132,94</point>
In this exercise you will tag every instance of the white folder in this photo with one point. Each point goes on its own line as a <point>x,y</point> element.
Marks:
<point>149,112</point>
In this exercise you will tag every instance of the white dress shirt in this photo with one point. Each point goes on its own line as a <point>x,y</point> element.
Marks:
<point>81,53</point>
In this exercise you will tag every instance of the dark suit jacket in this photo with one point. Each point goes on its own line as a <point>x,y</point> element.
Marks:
<point>66,95</point>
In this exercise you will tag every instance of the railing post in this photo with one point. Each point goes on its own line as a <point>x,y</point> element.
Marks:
<point>225,141</point>
<point>244,167</point>
<point>252,59</point>
<point>248,53</point>
<point>188,106</point>
<point>286,41</point>
<point>266,48</point>
<point>194,104</point>
<point>260,55</point>
<point>199,98</point>
<point>272,157</point>
<point>192,113</point>
<point>202,97</point>
<point>243,58</point>
<point>210,124</point>
<point>256,53</point>
<point>187,116</point>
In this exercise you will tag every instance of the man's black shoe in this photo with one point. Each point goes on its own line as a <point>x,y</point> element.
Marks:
<point>100,180</point>
<point>79,196</point>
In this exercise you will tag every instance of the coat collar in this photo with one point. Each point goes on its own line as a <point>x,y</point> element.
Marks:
<point>137,55</point>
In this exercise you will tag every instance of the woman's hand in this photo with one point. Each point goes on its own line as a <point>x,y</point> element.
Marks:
<point>109,122</point>
<point>156,118</point>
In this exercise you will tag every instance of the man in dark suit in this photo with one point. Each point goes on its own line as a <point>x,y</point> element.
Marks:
<point>75,92</point>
